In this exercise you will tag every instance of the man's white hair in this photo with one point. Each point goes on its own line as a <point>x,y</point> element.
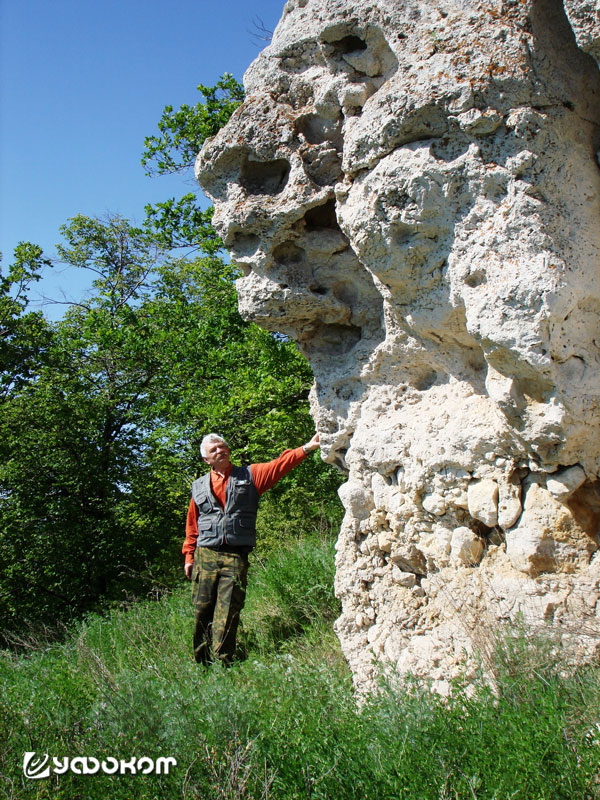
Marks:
<point>210,437</point>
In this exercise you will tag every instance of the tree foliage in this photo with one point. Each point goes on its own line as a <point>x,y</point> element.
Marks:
<point>98,451</point>
<point>184,131</point>
<point>23,333</point>
<point>182,223</point>
<point>71,438</point>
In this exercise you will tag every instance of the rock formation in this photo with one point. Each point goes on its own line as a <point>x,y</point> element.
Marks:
<point>411,190</point>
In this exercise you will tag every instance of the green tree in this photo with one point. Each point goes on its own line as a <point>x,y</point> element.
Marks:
<point>183,132</point>
<point>23,333</point>
<point>72,437</point>
<point>99,450</point>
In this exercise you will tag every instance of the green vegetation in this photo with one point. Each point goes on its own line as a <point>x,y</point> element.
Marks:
<point>100,427</point>
<point>182,132</point>
<point>284,722</point>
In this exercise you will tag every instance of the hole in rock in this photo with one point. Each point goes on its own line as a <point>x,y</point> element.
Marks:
<point>322,217</point>
<point>243,268</point>
<point>244,243</point>
<point>349,44</point>
<point>317,129</point>
<point>288,253</point>
<point>334,339</point>
<point>368,54</point>
<point>585,507</point>
<point>265,177</point>
<point>345,292</point>
<point>337,454</point>
<point>425,381</point>
<point>340,463</point>
<point>475,279</point>
<point>489,535</point>
<point>493,536</point>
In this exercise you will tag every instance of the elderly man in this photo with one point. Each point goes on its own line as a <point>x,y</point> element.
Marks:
<point>220,532</point>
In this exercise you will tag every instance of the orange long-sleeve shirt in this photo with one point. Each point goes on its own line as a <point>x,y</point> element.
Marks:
<point>264,477</point>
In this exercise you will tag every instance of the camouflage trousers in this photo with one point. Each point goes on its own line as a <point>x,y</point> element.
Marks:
<point>218,592</point>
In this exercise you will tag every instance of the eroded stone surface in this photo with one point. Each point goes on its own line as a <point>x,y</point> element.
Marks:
<point>411,191</point>
<point>584,16</point>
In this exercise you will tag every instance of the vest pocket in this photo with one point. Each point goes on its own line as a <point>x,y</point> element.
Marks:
<point>242,490</point>
<point>205,530</point>
<point>204,505</point>
<point>244,530</point>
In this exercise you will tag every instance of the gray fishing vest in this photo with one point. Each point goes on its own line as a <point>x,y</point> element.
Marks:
<point>236,523</point>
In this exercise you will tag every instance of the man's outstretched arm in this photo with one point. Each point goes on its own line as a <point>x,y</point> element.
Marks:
<point>265,476</point>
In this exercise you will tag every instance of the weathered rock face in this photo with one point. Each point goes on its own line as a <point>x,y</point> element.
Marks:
<point>412,192</point>
<point>584,16</point>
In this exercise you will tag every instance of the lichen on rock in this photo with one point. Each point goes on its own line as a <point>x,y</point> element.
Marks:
<point>411,190</point>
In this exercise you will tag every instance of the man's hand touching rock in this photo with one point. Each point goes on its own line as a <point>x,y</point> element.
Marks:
<point>312,445</point>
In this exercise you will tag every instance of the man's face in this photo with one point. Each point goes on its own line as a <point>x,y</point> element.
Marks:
<point>217,455</point>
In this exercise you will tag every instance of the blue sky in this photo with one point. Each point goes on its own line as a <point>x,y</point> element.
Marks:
<point>81,84</point>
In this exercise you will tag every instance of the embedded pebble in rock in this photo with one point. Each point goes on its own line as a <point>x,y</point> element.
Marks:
<point>509,502</point>
<point>565,483</point>
<point>482,498</point>
<point>411,192</point>
<point>466,547</point>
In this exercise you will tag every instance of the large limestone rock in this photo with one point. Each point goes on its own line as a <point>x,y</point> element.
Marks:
<point>411,190</point>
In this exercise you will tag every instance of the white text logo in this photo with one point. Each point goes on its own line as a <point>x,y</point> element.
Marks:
<point>36,767</point>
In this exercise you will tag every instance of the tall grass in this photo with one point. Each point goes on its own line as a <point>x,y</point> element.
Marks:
<point>283,723</point>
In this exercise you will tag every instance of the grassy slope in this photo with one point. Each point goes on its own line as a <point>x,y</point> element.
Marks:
<point>283,723</point>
